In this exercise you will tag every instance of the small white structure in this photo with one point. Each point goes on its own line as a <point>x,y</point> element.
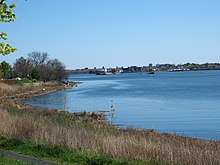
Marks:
<point>18,78</point>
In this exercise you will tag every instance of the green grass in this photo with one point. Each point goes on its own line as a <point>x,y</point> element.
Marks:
<point>5,161</point>
<point>63,155</point>
<point>27,81</point>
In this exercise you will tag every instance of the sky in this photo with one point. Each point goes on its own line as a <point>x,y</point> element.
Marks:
<point>110,33</point>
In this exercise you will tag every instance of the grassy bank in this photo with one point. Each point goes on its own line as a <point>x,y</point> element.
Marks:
<point>84,136</point>
<point>57,154</point>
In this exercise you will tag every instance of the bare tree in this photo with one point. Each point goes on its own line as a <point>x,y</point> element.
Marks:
<point>39,62</point>
<point>38,66</point>
<point>38,58</point>
<point>56,69</point>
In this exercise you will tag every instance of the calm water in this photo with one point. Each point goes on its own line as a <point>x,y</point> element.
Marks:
<point>186,103</point>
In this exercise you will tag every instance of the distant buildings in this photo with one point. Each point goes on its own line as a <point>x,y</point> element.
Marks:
<point>104,71</point>
<point>151,67</point>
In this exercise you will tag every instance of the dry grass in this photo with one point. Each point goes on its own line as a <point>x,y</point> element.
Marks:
<point>8,89</point>
<point>163,148</point>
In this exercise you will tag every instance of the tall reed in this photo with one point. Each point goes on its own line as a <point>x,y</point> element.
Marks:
<point>126,144</point>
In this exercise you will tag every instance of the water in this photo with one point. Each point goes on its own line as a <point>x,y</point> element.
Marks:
<point>186,103</point>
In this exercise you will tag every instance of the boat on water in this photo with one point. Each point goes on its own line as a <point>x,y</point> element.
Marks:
<point>152,72</point>
<point>100,73</point>
<point>103,72</point>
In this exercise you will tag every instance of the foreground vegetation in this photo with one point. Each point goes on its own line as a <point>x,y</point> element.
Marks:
<point>5,160</point>
<point>85,138</point>
<point>57,154</point>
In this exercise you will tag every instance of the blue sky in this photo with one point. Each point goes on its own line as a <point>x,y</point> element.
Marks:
<point>96,33</point>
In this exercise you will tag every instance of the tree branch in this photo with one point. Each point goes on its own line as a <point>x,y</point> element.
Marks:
<point>1,2</point>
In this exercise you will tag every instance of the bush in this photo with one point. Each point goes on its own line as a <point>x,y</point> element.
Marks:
<point>34,80</point>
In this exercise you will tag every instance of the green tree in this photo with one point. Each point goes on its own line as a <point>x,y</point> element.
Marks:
<point>22,68</point>
<point>6,15</point>
<point>5,67</point>
<point>35,74</point>
<point>1,74</point>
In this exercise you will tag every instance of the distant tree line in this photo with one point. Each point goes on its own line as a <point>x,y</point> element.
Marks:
<point>36,66</point>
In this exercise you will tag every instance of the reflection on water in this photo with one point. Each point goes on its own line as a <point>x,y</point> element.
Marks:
<point>182,102</point>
